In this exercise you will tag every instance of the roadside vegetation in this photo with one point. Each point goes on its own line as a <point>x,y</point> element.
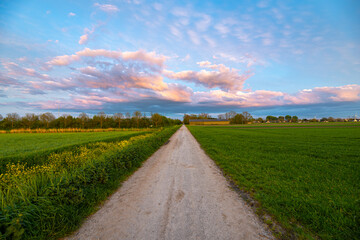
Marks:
<point>51,199</point>
<point>307,179</point>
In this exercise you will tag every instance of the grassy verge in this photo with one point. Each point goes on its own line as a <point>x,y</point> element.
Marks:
<point>308,180</point>
<point>34,149</point>
<point>51,200</point>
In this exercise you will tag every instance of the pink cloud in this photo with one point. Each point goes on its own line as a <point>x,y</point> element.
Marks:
<point>141,55</point>
<point>16,70</point>
<point>84,38</point>
<point>222,77</point>
<point>262,98</point>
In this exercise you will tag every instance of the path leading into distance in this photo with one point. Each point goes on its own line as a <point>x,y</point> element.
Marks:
<point>178,193</point>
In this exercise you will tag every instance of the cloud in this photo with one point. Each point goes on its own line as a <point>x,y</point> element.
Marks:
<point>71,14</point>
<point>194,37</point>
<point>16,70</point>
<point>180,12</point>
<point>157,6</point>
<point>204,23</point>
<point>108,8</point>
<point>84,38</point>
<point>150,58</point>
<point>264,98</point>
<point>175,31</point>
<point>221,77</point>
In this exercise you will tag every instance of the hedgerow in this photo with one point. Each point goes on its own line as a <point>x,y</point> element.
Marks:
<point>50,200</point>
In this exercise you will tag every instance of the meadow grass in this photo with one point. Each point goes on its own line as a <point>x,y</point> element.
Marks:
<point>24,143</point>
<point>308,180</point>
<point>48,201</point>
<point>299,125</point>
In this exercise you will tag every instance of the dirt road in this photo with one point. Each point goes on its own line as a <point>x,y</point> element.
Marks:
<point>178,193</point>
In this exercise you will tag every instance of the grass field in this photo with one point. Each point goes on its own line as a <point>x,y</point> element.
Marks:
<point>300,125</point>
<point>307,179</point>
<point>25,143</point>
<point>51,199</point>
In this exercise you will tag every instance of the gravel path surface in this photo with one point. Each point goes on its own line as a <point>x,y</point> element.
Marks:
<point>178,193</point>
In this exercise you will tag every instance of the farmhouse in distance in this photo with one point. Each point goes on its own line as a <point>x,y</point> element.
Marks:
<point>209,122</point>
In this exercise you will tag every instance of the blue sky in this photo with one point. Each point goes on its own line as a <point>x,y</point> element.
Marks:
<point>176,57</point>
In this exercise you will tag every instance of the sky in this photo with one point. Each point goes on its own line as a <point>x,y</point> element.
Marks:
<point>174,57</point>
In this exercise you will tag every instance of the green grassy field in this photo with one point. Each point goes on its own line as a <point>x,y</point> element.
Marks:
<point>24,143</point>
<point>307,179</point>
<point>51,199</point>
<point>300,125</point>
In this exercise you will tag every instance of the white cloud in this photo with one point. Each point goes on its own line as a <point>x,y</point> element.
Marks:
<point>107,7</point>
<point>204,23</point>
<point>157,6</point>
<point>194,37</point>
<point>71,14</point>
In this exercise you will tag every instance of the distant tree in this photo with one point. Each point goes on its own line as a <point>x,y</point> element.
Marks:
<point>260,120</point>
<point>288,118</point>
<point>221,116</point>
<point>186,119</point>
<point>46,118</point>
<point>12,117</point>
<point>340,120</point>
<point>324,119</point>
<point>281,118</point>
<point>238,119</point>
<point>29,119</point>
<point>294,119</point>
<point>156,119</point>
<point>101,116</point>
<point>204,116</point>
<point>271,118</point>
<point>247,117</point>
<point>331,119</point>
<point>83,118</point>
<point>118,117</point>
<point>1,117</point>
<point>137,115</point>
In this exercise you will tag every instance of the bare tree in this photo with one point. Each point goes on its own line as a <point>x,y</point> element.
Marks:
<point>30,119</point>
<point>247,116</point>
<point>221,116</point>
<point>1,117</point>
<point>127,115</point>
<point>137,116</point>
<point>12,117</point>
<point>46,118</point>
<point>102,117</point>
<point>84,118</point>
<point>118,117</point>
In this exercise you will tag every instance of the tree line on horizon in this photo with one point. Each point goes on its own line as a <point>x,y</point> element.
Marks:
<point>100,120</point>
<point>246,117</point>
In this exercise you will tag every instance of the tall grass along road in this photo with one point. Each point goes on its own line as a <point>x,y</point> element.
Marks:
<point>50,198</point>
<point>179,193</point>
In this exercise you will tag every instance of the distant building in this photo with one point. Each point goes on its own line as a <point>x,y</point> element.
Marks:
<point>209,122</point>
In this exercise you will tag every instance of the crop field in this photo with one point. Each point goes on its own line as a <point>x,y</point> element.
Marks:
<point>25,143</point>
<point>294,125</point>
<point>307,179</point>
<point>50,199</point>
